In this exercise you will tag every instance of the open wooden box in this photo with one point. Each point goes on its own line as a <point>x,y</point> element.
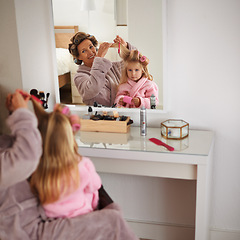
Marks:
<point>111,126</point>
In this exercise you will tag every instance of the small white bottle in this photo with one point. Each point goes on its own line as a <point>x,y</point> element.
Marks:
<point>153,101</point>
<point>143,122</point>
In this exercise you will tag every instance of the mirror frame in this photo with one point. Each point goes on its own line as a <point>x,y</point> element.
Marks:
<point>82,108</point>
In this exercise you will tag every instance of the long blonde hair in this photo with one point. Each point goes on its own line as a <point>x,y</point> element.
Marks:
<point>129,57</point>
<point>57,172</point>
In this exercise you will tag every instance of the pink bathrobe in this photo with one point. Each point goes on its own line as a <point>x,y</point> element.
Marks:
<point>142,89</point>
<point>99,83</point>
<point>21,216</point>
<point>84,199</point>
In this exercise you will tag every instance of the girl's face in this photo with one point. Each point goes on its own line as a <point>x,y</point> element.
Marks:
<point>134,71</point>
<point>87,52</point>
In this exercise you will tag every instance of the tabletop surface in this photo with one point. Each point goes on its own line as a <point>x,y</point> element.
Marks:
<point>197,143</point>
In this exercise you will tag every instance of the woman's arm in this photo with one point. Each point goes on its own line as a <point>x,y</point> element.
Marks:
<point>20,152</point>
<point>90,82</point>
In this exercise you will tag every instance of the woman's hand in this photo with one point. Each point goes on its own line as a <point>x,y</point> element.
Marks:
<point>19,99</point>
<point>120,40</point>
<point>103,49</point>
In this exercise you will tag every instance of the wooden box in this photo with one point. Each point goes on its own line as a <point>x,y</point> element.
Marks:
<point>111,126</point>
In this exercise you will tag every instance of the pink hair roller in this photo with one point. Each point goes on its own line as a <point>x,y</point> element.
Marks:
<point>75,127</point>
<point>74,119</point>
<point>127,99</point>
<point>65,110</point>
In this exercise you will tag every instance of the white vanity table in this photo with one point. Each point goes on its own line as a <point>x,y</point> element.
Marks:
<point>135,155</point>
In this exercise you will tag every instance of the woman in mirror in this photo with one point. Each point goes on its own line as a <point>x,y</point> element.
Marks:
<point>97,77</point>
<point>136,88</point>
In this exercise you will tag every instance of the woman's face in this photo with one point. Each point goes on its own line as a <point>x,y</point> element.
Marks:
<point>87,52</point>
<point>134,71</point>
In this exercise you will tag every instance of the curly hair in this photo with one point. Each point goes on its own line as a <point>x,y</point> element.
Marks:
<point>132,56</point>
<point>76,40</point>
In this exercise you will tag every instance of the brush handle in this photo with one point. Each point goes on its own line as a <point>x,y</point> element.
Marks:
<point>119,48</point>
<point>32,96</point>
<point>160,143</point>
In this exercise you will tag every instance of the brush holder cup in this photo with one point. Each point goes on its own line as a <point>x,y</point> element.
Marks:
<point>174,129</point>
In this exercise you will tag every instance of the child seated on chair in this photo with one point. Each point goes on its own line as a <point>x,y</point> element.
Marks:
<point>65,182</point>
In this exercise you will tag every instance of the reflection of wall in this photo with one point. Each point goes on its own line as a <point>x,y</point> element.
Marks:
<point>101,21</point>
<point>145,33</point>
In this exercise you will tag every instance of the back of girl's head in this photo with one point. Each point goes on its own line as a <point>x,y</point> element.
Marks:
<point>59,159</point>
<point>56,131</point>
<point>58,136</point>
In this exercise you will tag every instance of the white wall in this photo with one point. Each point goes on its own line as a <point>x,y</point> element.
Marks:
<point>10,69</point>
<point>203,89</point>
<point>36,48</point>
<point>203,75</point>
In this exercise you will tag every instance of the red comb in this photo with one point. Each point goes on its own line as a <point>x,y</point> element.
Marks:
<point>160,143</point>
<point>119,48</point>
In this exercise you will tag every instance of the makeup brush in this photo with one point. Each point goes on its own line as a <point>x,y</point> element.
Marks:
<point>47,96</point>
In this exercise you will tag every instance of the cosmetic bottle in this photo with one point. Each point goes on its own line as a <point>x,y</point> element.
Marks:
<point>89,114</point>
<point>153,101</point>
<point>143,122</point>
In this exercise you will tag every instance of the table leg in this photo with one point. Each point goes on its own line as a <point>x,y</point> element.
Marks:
<point>202,204</point>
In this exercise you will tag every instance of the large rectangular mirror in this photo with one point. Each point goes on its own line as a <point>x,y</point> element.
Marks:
<point>136,21</point>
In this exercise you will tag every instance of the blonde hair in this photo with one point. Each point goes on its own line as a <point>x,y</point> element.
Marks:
<point>57,172</point>
<point>129,57</point>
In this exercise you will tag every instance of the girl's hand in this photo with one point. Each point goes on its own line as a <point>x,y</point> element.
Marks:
<point>119,39</point>
<point>136,101</point>
<point>103,49</point>
<point>121,102</point>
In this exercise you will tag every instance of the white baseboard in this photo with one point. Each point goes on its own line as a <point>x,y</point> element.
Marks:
<point>224,234</point>
<point>168,231</point>
<point>160,231</point>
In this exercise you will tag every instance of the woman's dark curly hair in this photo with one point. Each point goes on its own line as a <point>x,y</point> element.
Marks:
<point>76,40</point>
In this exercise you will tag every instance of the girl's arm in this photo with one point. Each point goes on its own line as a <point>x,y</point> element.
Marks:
<point>151,88</point>
<point>94,182</point>
<point>120,95</point>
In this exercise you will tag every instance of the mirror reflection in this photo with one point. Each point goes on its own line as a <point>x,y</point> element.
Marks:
<point>105,19</point>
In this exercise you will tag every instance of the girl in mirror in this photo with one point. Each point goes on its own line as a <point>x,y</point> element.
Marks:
<point>136,86</point>
<point>97,77</point>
